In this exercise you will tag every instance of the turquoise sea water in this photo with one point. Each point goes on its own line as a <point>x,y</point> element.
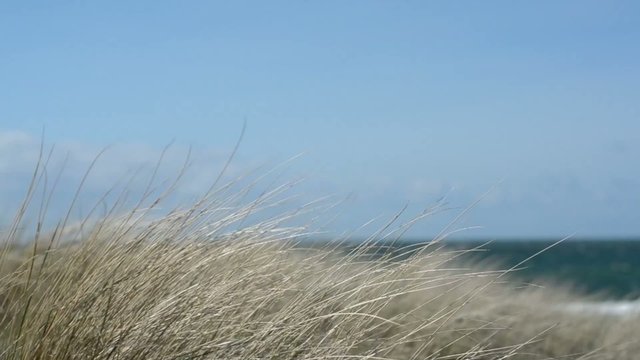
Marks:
<point>594,266</point>
<point>607,268</point>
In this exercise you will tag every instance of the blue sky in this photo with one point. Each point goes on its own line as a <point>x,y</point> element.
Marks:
<point>391,102</point>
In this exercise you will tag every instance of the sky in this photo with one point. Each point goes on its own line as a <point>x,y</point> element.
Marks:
<point>532,108</point>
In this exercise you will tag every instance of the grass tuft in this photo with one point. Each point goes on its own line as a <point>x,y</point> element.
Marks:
<point>190,285</point>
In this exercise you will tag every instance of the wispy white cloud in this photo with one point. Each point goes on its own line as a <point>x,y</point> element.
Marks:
<point>556,202</point>
<point>126,163</point>
<point>18,151</point>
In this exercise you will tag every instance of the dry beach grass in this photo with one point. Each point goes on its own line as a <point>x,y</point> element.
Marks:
<point>191,284</point>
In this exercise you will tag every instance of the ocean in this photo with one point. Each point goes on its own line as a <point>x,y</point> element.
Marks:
<point>608,269</point>
<point>604,267</point>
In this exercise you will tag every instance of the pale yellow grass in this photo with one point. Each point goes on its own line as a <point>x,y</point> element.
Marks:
<point>184,286</point>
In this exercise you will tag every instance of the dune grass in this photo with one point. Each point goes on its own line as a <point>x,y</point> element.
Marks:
<point>192,284</point>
